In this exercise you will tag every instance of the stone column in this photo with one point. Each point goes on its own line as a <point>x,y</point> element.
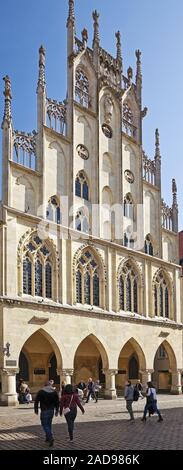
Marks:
<point>176,387</point>
<point>9,395</point>
<point>66,375</point>
<point>146,377</point>
<point>110,387</point>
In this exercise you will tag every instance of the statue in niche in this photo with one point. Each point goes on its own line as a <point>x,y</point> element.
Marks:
<point>108,109</point>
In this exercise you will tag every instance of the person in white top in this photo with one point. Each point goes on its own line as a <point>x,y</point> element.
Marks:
<point>151,403</point>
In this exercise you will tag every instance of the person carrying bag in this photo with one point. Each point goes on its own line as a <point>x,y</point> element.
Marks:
<point>68,406</point>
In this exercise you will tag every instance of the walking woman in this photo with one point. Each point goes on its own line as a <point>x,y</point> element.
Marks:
<point>151,402</point>
<point>68,406</point>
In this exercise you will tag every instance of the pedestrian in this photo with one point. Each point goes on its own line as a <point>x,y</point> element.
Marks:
<point>22,389</point>
<point>63,384</point>
<point>49,401</point>
<point>129,394</point>
<point>139,387</point>
<point>90,388</point>
<point>68,406</point>
<point>151,402</point>
<point>28,396</point>
<point>97,387</point>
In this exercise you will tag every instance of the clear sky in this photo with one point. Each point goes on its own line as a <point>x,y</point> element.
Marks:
<point>154,26</point>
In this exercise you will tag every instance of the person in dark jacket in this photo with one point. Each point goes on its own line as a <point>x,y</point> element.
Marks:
<point>129,392</point>
<point>49,401</point>
<point>70,400</point>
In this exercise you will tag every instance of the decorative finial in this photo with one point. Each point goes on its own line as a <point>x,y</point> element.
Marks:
<point>157,146</point>
<point>174,187</point>
<point>174,207</point>
<point>41,78</point>
<point>71,16</point>
<point>118,45</point>
<point>84,35</point>
<point>130,75</point>
<point>96,38</point>
<point>138,70</point>
<point>7,105</point>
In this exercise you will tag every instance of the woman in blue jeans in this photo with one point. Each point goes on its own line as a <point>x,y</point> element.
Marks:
<point>151,402</point>
<point>68,406</point>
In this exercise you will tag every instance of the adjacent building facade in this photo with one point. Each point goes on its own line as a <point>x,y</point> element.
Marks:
<point>89,267</point>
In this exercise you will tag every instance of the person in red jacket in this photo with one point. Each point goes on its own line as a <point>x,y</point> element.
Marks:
<point>68,406</point>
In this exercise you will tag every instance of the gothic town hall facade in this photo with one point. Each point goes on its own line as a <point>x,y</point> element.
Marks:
<point>89,279</point>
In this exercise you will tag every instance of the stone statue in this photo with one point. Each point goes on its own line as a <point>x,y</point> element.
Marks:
<point>108,109</point>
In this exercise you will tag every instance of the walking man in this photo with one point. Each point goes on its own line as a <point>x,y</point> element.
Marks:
<point>49,401</point>
<point>129,392</point>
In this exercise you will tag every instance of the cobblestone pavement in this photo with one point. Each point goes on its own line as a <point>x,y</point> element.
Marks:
<point>105,425</point>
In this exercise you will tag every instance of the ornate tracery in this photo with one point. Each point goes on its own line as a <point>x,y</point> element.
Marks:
<point>87,279</point>
<point>129,284</point>
<point>162,291</point>
<point>82,88</point>
<point>38,267</point>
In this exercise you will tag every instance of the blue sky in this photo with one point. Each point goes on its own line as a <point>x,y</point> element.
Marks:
<point>153,26</point>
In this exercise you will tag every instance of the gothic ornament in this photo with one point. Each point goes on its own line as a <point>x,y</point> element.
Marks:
<point>129,176</point>
<point>108,109</point>
<point>7,105</point>
<point>82,152</point>
<point>107,131</point>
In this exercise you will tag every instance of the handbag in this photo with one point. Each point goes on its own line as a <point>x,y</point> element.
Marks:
<point>67,409</point>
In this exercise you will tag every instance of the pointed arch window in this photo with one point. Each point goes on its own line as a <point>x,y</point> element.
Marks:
<point>88,280</point>
<point>38,265</point>
<point>148,245</point>
<point>53,210</point>
<point>162,293</point>
<point>81,221</point>
<point>81,88</point>
<point>81,186</point>
<point>129,206</point>
<point>128,289</point>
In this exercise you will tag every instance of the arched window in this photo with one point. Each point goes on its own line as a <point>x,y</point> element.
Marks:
<point>128,206</point>
<point>133,372</point>
<point>87,280</point>
<point>81,186</point>
<point>81,88</point>
<point>128,240</point>
<point>128,121</point>
<point>161,296</point>
<point>148,245</point>
<point>53,210</point>
<point>128,289</point>
<point>23,367</point>
<point>81,220</point>
<point>27,276</point>
<point>53,369</point>
<point>38,261</point>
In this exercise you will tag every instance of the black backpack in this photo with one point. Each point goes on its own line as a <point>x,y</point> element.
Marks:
<point>135,394</point>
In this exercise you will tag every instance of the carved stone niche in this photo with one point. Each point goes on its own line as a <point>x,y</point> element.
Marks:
<point>108,109</point>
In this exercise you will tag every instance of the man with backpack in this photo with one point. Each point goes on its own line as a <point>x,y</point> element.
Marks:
<point>151,403</point>
<point>129,397</point>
